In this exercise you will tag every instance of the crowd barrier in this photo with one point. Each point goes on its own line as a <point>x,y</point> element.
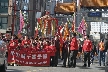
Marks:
<point>22,58</point>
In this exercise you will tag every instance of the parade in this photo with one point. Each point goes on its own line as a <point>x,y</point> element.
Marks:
<point>53,35</point>
<point>46,51</point>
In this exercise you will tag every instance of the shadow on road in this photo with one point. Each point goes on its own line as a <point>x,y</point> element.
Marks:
<point>101,68</point>
<point>96,62</point>
<point>83,67</point>
<point>13,70</point>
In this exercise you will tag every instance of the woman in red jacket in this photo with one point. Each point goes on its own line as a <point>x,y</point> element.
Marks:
<point>87,47</point>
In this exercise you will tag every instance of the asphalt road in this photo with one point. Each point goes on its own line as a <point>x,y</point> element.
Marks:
<point>79,68</point>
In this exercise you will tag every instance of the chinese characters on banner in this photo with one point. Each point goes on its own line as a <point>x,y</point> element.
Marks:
<point>29,59</point>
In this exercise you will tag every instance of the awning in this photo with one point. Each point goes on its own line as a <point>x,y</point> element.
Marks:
<point>65,8</point>
<point>94,3</point>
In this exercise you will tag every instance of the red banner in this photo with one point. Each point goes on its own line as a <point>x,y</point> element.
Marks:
<point>29,59</point>
<point>11,58</point>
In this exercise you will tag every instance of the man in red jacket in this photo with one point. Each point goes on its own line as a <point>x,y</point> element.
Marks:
<point>73,51</point>
<point>87,47</point>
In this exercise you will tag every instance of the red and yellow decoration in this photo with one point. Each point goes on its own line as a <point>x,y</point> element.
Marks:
<point>47,25</point>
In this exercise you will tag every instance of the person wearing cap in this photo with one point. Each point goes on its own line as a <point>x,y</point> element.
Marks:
<point>101,51</point>
<point>73,51</point>
<point>87,47</point>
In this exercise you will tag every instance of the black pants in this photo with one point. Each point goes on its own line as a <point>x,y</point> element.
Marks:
<point>52,61</point>
<point>65,56</point>
<point>87,57</point>
<point>56,58</point>
<point>62,53</point>
<point>72,58</point>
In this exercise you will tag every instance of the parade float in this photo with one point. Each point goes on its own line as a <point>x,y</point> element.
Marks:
<point>47,25</point>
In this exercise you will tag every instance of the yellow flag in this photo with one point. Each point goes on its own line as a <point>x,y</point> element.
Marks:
<point>66,32</point>
<point>53,28</point>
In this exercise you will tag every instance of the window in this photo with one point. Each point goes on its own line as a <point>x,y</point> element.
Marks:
<point>4,26</point>
<point>102,29</point>
<point>6,4</point>
<point>4,20</point>
<point>0,20</point>
<point>2,4</point>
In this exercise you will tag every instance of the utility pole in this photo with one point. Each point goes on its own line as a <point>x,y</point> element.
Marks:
<point>32,18</point>
<point>43,7</point>
<point>77,14</point>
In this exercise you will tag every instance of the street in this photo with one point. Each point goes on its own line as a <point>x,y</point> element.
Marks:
<point>79,68</point>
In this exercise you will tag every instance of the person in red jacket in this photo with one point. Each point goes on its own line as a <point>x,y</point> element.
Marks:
<point>13,42</point>
<point>87,47</point>
<point>73,51</point>
<point>26,42</point>
<point>52,54</point>
<point>46,46</point>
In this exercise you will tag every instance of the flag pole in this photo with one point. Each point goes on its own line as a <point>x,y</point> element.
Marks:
<point>77,14</point>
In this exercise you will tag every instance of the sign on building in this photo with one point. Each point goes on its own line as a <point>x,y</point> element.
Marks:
<point>104,14</point>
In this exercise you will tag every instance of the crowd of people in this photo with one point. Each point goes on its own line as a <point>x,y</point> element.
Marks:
<point>72,48</point>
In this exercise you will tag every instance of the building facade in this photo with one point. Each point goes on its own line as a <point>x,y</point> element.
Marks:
<point>99,27</point>
<point>3,15</point>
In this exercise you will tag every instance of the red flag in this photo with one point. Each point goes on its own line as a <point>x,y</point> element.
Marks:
<point>82,27</point>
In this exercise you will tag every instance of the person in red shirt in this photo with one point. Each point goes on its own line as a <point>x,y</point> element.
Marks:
<point>13,42</point>
<point>26,41</point>
<point>19,46</point>
<point>33,47</point>
<point>46,46</point>
<point>40,46</point>
<point>73,51</point>
<point>52,54</point>
<point>87,47</point>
